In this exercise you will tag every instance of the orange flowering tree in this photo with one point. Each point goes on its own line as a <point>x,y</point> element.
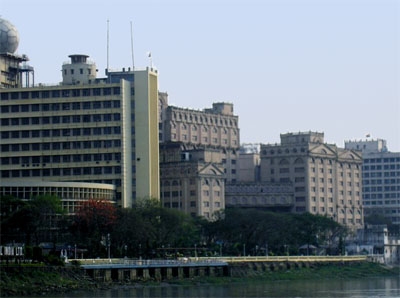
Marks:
<point>92,222</point>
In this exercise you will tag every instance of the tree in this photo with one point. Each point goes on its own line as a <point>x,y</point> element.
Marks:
<point>93,220</point>
<point>37,218</point>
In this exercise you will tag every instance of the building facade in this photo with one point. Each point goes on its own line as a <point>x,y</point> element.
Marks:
<point>84,130</point>
<point>249,163</point>
<point>199,153</point>
<point>215,128</point>
<point>277,197</point>
<point>71,194</point>
<point>192,180</point>
<point>326,179</point>
<point>381,178</point>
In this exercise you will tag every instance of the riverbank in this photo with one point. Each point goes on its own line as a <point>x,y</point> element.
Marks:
<point>36,280</point>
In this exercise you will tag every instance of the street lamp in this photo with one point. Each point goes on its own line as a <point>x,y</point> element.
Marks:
<point>75,250</point>
<point>108,245</point>
<point>195,251</point>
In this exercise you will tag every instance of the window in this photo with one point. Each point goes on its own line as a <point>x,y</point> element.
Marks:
<point>86,105</point>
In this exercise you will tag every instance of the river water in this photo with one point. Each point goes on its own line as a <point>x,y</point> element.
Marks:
<point>357,288</point>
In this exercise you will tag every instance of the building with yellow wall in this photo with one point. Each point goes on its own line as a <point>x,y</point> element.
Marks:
<point>85,129</point>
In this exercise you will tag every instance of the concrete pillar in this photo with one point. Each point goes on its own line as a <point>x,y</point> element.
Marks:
<point>146,273</point>
<point>107,275</point>
<point>157,274</point>
<point>121,275</point>
<point>202,271</point>
<point>211,271</point>
<point>180,273</point>
<point>192,272</point>
<point>169,273</point>
<point>133,274</point>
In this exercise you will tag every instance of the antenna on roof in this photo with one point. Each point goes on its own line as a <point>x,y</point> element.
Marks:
<point>150,58</point>
<point>133,61</point>
<point>108,44</point>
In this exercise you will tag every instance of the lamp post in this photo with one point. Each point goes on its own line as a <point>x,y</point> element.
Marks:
<point>108,245</point>
<point>195,251</point>
<point>75,250</point>
<point>244,249</point>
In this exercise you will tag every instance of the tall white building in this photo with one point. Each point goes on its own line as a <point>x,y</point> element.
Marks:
<point>381,178</point>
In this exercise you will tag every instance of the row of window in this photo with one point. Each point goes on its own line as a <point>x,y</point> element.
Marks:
<point>379,181</point>
<point>204,119</point>
<point>205,129</point>
<point>61,119</point>
<point>44,159</point>
<point>330,210</point>
<point>313,170</point>
<point>279,151</point>
<point>387,195</point>
<point>380,167</point>
<point>259,200</point>
<point>47,133</point>
<point>380,160</point>
<point>65,106</point>
<point>380,174</point>
<point>56,93</point>
<point>381,188</point>
<point>61,145</point>
<point>195,139</point>
<point>61,172</point>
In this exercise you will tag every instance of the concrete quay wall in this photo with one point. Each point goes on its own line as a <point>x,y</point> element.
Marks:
<point>256,266</point>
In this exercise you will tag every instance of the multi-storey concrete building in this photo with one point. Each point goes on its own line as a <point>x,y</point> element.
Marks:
<point>205,144</point>
<point>192,180</point>
<point>249,163</point>
<point>265,195</point>
<point>214,128</point>
<point>381,178</point>
<point>326,179</point>
<point>86,129</point>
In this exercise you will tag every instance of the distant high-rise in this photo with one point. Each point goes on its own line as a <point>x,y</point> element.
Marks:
<point>381,178</point>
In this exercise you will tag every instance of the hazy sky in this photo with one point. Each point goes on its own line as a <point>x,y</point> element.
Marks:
<point>330,66</point>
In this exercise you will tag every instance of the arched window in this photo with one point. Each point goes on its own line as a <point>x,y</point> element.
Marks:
<point>299,161</point>
<point>284,162</point>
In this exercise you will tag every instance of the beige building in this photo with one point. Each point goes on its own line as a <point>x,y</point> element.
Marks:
<point>85,129</point>
<point>215,128</point>
<point>206,143</point>
<point>192,180</point>
<point>249,163</point>
<point>326,179</point>
<point>277,197</point>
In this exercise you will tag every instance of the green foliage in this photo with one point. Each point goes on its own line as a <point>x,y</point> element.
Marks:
<point>37,254</point>
<point>150,231</point>
<point>23,220</point>
<point>256,232</point>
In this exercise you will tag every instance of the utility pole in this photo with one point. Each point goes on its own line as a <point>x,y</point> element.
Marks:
<point>108,245</point>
